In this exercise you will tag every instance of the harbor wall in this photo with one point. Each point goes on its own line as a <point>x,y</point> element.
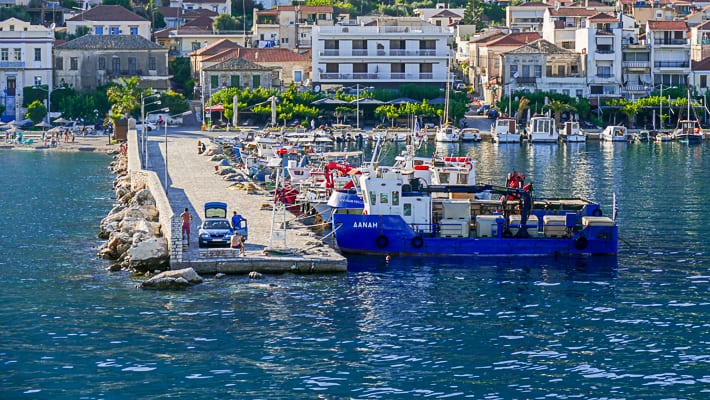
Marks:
<point>149,179</point>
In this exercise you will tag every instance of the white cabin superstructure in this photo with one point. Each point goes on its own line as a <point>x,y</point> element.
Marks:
<point>541,129</point>
<point>572,133</point>
<point>503,130</point>
<point>613,133</point>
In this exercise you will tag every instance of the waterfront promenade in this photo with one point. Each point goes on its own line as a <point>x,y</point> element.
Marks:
<point>192,181</point>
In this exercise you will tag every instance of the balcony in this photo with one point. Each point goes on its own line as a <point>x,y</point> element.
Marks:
<point>604,50</point>
<point>604,76</point>
<point>426,77</point>
<point>526,80</point>
<point>381,53</point>
<point>636,65</point>
<point>12,64</point>
<point>671,64</point>
<point>670,42</point>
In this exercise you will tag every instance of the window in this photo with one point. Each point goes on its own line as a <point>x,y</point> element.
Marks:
<point>12,27</point>
<point>214,81</point>
<point>152,64</point>
<point>373,198</point>
<point>3,55</point>
<point>102,64</point>
<point>384,198</point>
<point>565,92</point>
<point>38,80</point>
<point>538,71</point>
<point>38,54</point>
<point>74,63</point>
<point>579,93</point>
<point>331,68</point>
<point>331,44</point>
<point>132,65</point>
<point>407,209</point>
<point>59,63</point>
<point>526,71</point>
<point>513,70</point>
<point>116,65</point>
<point>297,76</point>
<point>195,46</point>
<point>256,81</point>
<point>134,30</point>
<point>18,54</point>
<point>395,198</point>
<point>234,81</point>
<point>114,30</point>
<point>99,30</point>
<point>703,81</point>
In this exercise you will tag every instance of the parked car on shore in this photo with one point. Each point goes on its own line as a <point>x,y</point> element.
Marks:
<point>482,110</point>
<point>149,126</point>
<point>215,229</point>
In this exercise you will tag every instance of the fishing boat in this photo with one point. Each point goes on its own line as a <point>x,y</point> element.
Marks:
<point>541,129</point>
<point>572,133</point>
<point>613,133</point>
<point>405,214</point>
<point>663,137</point>
<point>503,130</point>
<point>470,135</point>
<point>447,132</point>
<point>689,130</point>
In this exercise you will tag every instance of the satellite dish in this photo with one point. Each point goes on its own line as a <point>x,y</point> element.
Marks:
<point>52,26</point>
<point>316,88</point>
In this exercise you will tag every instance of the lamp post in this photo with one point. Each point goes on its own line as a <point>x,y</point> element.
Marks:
<point>145,131</point>
<point>145,96</point>
<point>357,106</point>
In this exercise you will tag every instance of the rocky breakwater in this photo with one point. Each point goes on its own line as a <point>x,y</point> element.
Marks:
<point>134,240</point>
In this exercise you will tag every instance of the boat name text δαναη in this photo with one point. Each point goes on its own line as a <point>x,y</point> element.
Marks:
<point>368,225</point>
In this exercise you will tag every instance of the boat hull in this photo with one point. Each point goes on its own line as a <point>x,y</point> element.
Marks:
<point>507,138</point>
<point>389,234</point>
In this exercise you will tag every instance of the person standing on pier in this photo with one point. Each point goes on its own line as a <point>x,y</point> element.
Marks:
<point>186,219</point>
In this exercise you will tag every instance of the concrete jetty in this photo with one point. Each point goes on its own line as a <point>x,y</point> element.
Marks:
<point>191,182</point>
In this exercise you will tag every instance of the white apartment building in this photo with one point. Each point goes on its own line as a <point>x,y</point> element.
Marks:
<point>218,6</point>
<point>110,20</point>
<point>386,53</point>
<point>598,38</point>
<point>25,60</point>
<point>670,52</point>
<point>289,27</point>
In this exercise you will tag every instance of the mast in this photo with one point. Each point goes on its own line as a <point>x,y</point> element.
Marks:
<point>446,98</point>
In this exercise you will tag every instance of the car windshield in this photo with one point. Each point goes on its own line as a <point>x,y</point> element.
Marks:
<point>220,224</point>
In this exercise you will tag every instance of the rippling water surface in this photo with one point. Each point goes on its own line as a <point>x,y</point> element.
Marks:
<point>631,327</point>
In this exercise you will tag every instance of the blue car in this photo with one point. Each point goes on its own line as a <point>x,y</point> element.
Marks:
<point>216,229</point>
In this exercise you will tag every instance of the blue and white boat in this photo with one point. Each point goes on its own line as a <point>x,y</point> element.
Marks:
<point>404,214</point>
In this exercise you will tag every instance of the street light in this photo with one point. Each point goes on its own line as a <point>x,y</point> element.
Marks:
<point>144,128</point>
<point>145,96</point>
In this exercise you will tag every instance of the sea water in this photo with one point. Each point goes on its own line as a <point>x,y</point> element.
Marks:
<point>635,326</point>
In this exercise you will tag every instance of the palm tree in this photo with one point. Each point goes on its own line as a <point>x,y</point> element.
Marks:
<point>557,107</point>
<point>523,105</point>
<point>124,97</point>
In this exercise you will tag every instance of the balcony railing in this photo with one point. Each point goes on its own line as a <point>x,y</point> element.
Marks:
<point>381,53</point>
<point>605,76</point>
<point>636,64</point>
<point>393,76</point>
<point>670,42</point>
<point>671,64</point>
<point>526,80</point>
<point>604,50</point>
<point>12,64</point>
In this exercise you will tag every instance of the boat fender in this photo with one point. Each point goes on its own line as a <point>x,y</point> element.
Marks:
<point>581,243</point>
<point>417,242</point>
<point>382,241</point>
<point>597,212</point>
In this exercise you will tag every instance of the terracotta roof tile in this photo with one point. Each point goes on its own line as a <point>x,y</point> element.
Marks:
<point>572,12</point>
<point>603,17</point>
<point>108,42</point>
<point>215,48</point>
<point>108,13</point>
<point>170,12</point>
<point>515,39</point>
<point>702,65</point>
<point>272,56</point>
<point>667,25</point>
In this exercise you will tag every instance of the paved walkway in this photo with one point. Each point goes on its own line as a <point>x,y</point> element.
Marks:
<point>192,182</point>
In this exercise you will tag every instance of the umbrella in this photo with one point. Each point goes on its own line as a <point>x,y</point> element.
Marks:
<point>215,108</point>
<point>403,100</point>
<point>438,100</point>
<point>367,100</point>
<point>43,125</point>
<point>328,100</point>
<point>60,120</point>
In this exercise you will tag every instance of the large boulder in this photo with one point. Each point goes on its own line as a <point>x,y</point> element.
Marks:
<point>177,279</point>
<point>149,255</point>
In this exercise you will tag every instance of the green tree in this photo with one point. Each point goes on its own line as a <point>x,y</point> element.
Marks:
<point>14,12</point>
<point>123,3</point>
<point>125,97</point>
<point>36,111</point>
<point>174,101</point>
<point>2,109</point>
<point>181,79</point>
<point>225,22</point>
<point>473,14</point>
<point>558,107</point>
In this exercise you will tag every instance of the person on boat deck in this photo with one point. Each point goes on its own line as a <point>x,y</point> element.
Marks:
<point>236,220</point>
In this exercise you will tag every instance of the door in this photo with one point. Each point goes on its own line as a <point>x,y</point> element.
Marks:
<point>11,86</point>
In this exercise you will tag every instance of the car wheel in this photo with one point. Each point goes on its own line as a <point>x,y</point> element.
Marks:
<point>200,243</point>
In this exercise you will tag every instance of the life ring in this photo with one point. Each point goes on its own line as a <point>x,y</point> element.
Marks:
<point>597,212</point>
<point>417,242</point>
<point>581,243</point>
<point>382,241</point>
